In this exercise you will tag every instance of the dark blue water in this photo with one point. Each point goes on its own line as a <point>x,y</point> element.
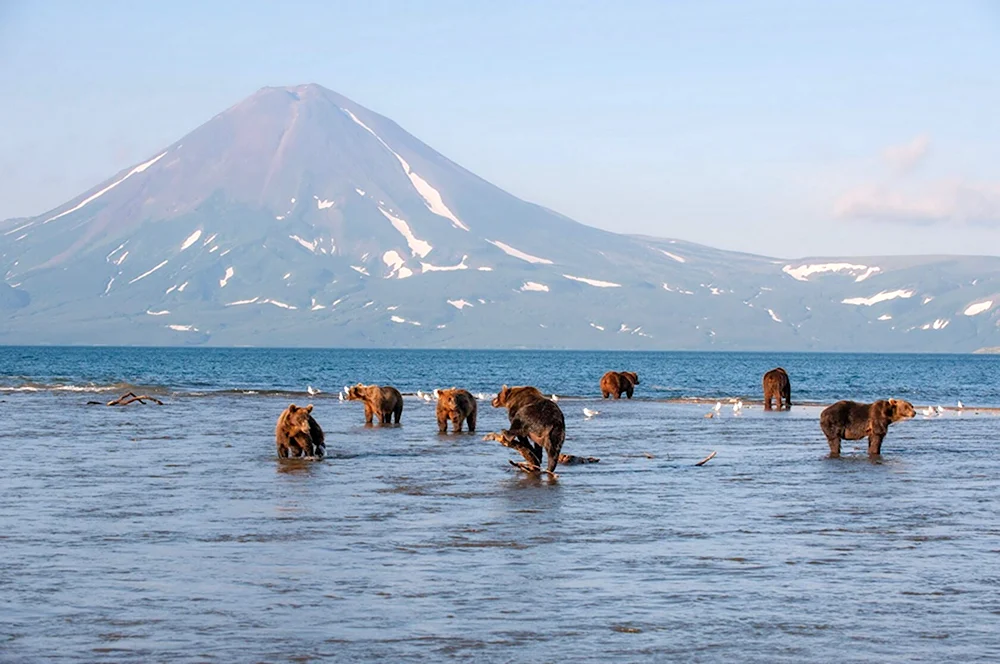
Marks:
<point>816,377</point>
<point>172,533</point>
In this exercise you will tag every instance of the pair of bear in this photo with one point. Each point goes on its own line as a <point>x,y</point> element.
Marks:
<point>844,420</point>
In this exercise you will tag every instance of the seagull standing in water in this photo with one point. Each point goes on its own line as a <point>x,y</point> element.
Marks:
<point>341,396</point>
<point>718,406</point>
<point>555,398</point>
<point>588,413</point>
<point>311,390</point>
<point>737,407</point>
<point>961,406</point>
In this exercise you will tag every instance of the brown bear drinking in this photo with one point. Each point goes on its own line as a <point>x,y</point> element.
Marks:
<point>298,434</point>
<point>457,406</point>
<point>536,423</point>
<point>777,387</point>
<point>384,404</point>
<point>849,420</point>
<point>616,383</point>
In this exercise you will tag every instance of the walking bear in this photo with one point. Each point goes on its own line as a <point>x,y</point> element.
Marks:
<point>536,424</point>
<point>384,404</point>
<point>457,406</point>
<point>778,387</point>
<point>298,434</point>
<point>849,420</point>
<point>616,383</point>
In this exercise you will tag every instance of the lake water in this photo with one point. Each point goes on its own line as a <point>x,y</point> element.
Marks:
<point>151,533</point>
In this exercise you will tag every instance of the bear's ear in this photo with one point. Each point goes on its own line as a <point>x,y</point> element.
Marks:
<point>292,408</point>
<point>308,408</point>
<point>503,389</point>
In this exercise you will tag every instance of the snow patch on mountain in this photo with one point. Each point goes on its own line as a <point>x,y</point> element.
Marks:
<point>138,169</point>
<point>427,267</point>
<point>419,247</point>
<point>121,259</point>
<point>183,328</point>
<point>191,239</point>
<point>356,268</point>
<point>773,316</point>
<point>394,261</point>
<point>878,297</point>
<point>311,246</point>
<point>938,324</point>
<point>978,308</point>
<point>323,204</point>
<point>885,317</point>
<point>516,253</point>
<point>431,196</point>
<point>157,313</point>
<point>400,319</point>
<point>146,274</point>
<point>803,272</point>
<point>667,287</point>
<point>593,282</point>
<point>677,258</point>
<point>278,304</point>
<point>241,302</point>
<point>225,280</point>
<point>459,304</point>
<point>534,286</point>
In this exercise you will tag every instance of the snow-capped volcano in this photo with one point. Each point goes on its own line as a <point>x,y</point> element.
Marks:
<point>298,217</point>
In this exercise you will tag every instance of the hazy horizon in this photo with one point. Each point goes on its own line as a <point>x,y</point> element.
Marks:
<point>769,128</point>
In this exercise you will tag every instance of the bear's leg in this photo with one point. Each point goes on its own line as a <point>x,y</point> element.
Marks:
<point>629,392</point>
<point>605,394</point>
<point>398,413</point>
<point>874,445</point>
<point>456,423</point>
<point>369,414</point>
<point>442,423</point>
<point>834,445</point>
<point>767,401</point>
<point>472,422</point>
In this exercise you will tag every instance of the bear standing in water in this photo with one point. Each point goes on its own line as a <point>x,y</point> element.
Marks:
<point>616,383</point>
<point>457,406</point>
<point>778,387</point>
<point>297,432</point>
<point>849,420</point>
<point>384,404</point>
<point>536,424</point>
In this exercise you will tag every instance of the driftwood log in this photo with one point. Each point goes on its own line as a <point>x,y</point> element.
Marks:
<point>132,397</point>
<point>532,461</point>
<point>706,459</point>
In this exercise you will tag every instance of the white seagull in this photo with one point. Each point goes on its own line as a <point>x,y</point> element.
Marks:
<point>929,412</point>
<point>340,396</point>
<point>420,394</point>
<point>939,409</point>
<point>718,406</point>
<point>311,390</point>
<point>436,394</point>
<point>737,407</point>
<point>588,413</point>
<point>555,398</point>
<point>960,405</point>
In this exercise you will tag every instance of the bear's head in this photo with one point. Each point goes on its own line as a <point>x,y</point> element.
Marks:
<point>500,400</point>
<point>297,421</point>
<point>358,392</point>
<point>632,376</point>
<point>446,398</point>
<point>900,410</point>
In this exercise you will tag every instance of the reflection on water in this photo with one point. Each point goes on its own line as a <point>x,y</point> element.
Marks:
<point>153,534</point>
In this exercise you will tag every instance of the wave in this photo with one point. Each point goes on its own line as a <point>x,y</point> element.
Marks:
<point>118,388</point>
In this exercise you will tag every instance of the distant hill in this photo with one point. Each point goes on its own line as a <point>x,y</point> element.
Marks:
<point>300,218</point>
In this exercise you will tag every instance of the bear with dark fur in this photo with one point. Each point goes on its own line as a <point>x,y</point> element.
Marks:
<point>849,420</point>
<point>384,404</point>
<point>298,434</point>
<point>457,406</point>
<point>616,383</point>
<point>777,387</point>
<point>536,423</point>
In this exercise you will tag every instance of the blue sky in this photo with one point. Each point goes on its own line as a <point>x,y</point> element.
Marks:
<point>784,128</point>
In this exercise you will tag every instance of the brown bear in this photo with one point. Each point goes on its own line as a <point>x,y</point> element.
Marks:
<point>616,383</point>
<point>457,406</point>
<point>536,422</point>
<point>849,420</point>
<point>778,387</point>
<point>298,434</point>
<point>384,404</point>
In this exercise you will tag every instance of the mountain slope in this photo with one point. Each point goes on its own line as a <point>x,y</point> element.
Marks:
<point>298,217</point>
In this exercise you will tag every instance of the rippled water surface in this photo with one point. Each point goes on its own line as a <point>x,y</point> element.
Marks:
<point>173,533</point>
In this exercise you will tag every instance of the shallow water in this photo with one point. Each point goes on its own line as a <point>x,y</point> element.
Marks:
<point>151,533</point>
